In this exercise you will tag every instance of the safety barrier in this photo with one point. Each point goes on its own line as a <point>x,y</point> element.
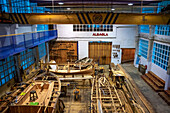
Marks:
<point>12,44</point>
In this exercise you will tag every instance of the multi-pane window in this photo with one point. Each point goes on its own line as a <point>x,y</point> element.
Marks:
<point>92,27</point>
<point>7,69</point>
<point>27,58</point>
<point>42,50</point>
<point>160,55</point>
<point>42,27</point>
<point>144,28</point>
<point>148,10</point>
<point>143,47</point>
<point>162,30</point>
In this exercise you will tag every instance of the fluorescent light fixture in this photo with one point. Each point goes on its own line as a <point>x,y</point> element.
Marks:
<point>130,4</point>
<point>68,8</point>
<point>60,3</point>
<point>112,9</point>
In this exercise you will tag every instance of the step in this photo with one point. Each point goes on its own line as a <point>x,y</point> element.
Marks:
<point>158,78</point>
<point>154,80</point>
<point>150,83</point>
<point>164,97</point>
<point>167,92</point>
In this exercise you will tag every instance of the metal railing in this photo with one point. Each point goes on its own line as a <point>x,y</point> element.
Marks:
<point>80,8</point>
<point>12,44</point>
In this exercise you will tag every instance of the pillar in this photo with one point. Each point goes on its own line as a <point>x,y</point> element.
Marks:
<point>18,77</point>
<point>167,81</point>
<point>47,52</point>
<point>36,56</point>
<point>150,46</point>
<point>137,46</point>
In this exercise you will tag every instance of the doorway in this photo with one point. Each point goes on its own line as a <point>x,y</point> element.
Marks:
<point>128,54</point>
<point>100,52</point>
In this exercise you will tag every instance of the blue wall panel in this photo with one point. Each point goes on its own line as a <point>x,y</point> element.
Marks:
<point>7,69</point>
<point>42,50</point>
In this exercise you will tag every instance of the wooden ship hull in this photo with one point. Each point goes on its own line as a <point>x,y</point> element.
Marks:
<point>74,72</point>
<point>47,87</point>
<point>84,63</point>
<point>104,97</point>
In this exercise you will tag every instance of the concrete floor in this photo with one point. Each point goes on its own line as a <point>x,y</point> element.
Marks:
<point>158,103</point>
<point>83,105</point>
<point>77,106</point>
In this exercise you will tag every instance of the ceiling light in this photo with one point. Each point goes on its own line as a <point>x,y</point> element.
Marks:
<point>60,3</point>
<point>130,4</point>
<point>68,8</point>
<point>112,9</point>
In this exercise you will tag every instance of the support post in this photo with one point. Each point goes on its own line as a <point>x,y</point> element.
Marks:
<point>47,53</point>
<point>167,81</point>
<point>137,46</point>
<point>36,55</point>
<point>17,64</point>
<point>150,46</point>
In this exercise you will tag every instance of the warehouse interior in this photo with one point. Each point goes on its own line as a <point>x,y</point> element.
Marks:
<point>84,56</point>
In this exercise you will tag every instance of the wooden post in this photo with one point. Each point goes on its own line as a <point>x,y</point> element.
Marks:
<point>80,66</point>
<point>68,67</point>
<point>56,67</point>
<point>83,82</point>
<point>90,82</point>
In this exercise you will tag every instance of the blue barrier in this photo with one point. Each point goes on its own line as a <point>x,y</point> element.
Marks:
<point>10,45</point>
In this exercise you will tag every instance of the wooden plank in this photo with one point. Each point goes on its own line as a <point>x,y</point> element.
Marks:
<point>167,92</point>
<point>63,50</point>
<point>150,83</point>
<point>77,78</point>
<point>128,54</point>
<point>158,78</point>
<point>164,97</point>
<point>154,80</point>
<point>98,51</point>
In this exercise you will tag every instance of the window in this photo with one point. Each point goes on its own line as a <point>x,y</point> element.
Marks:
<point>92,27</point>
<point>7,70</point>
<point>42,50</point>
<point>27,58</point>
<point>160,55</point>
<point>162,30</point>
<point>143,48</point>
<point>144,28</point>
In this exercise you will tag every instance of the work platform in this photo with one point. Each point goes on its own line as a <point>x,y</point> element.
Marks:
<point>16,43</point>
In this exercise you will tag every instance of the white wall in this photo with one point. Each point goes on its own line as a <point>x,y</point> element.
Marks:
<point>83,49</point>
<point>159,71</point>
<point>165,40</point>
<point>67,31</point>
<point>123,35</point>
<point>23,29</point>
<point>126,36</point>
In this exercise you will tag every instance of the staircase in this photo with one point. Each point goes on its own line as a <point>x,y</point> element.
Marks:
<point>165,95</point>
<point>154,81</point>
